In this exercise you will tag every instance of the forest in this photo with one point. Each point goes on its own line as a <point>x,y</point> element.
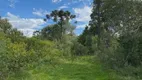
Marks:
<point>109,48</point>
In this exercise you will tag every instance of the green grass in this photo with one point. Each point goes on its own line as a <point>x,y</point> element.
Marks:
<point>81,68</point>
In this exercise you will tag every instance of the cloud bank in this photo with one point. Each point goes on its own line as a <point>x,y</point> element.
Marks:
<point>26,25</point>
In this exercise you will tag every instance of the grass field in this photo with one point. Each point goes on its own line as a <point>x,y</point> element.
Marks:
<point>81,68</point>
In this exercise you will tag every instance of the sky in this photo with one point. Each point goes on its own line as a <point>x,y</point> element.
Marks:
<point>27,15</point>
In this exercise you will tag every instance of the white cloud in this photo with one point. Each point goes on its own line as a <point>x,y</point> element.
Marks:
<point>27,32</point>
<point>55,1</point>
<point>12,3</point>
<point>83,14</point>
<point>63,7</point>
<point>26,25</point>
<point>39,12</point>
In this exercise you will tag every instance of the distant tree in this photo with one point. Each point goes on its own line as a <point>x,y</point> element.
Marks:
<point>82,37</point>
<point>15,35</point>
<point>5,26</point>
<point>51,32</point>
<point>60,17</point>
<point>12,33</point>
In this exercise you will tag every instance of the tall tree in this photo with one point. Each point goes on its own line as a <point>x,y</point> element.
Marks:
<point>97,20</point>
<point>120,17</point>
<point>60,17</point>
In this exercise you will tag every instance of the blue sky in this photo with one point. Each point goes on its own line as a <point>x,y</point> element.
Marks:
<point>27,15</point>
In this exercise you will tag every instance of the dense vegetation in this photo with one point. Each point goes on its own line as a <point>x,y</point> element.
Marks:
<point>110,47</point>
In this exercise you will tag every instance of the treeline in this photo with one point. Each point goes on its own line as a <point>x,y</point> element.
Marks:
<point>114,35</point>
<point>115,28</point>
<point>62,32</point>
<point>47,46</point>
<point>18,52</point>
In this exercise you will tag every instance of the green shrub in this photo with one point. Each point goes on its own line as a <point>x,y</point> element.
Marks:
<point>19,56</point>
<point>78,49</point>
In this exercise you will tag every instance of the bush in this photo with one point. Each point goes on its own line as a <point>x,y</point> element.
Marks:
<point>18,56</point>
<point>78,49</point>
